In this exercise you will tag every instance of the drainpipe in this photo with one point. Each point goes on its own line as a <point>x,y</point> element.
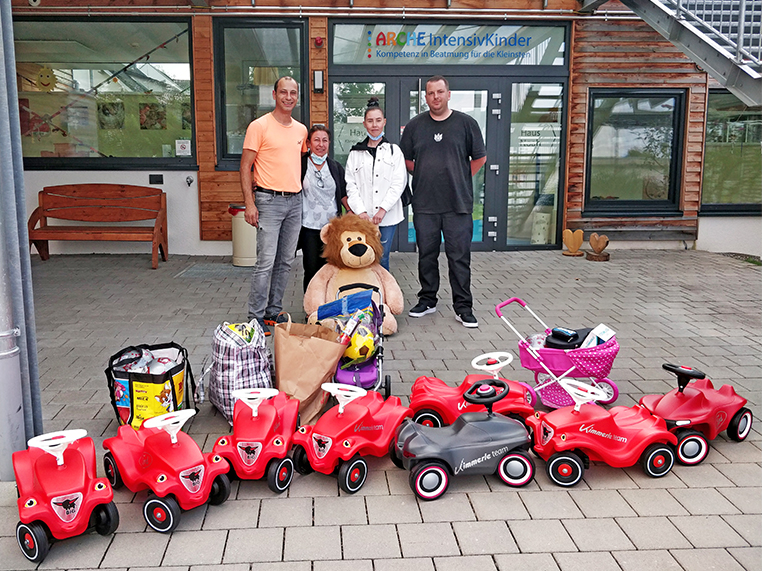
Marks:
<point>20,407</point>
<point>12,432</point>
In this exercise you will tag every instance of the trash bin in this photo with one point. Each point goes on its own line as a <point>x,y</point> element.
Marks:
<point>244,237</point>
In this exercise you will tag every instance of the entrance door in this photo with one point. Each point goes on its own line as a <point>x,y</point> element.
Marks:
<point>470,96</point>
<point>516,193</point>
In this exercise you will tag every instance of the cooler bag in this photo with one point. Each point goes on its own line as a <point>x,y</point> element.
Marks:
<point>149,380</point>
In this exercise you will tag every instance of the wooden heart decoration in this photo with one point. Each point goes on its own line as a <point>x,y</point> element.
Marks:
<point>598,243</point>
<point>573,240</point>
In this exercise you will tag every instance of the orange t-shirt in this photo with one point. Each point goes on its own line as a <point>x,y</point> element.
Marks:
<point>278,164</point>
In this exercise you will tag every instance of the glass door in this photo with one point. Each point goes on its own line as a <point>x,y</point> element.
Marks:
<point>472,97</point>
<point>349,101</point>
<point>516,194</point>
<point>534,158</point>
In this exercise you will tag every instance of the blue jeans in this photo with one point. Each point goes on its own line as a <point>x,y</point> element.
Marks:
<point>387,235</point>
<point>280,219</point>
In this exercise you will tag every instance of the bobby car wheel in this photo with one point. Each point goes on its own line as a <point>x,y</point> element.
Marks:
<point>657,460</point>
<point>428,417</point>
<point>112,471</point>
<point>740,425</point>
<point>516,469</point>
<point>280,471</point>
<point>692,447</point>
<point>220,490</point>
<point>106,518</point>
<point>429,480</point>
<point>352,474</point>
<point>302,461</point>
<point>162,514</point>
<point>33,540</point>
<point>565,468</point>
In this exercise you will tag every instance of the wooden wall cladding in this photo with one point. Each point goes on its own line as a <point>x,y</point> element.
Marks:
<point>318,61</point>
<point>630,54</point>
<point>218,189</point>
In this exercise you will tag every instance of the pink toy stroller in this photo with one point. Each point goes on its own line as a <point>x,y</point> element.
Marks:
<point>552,359</point>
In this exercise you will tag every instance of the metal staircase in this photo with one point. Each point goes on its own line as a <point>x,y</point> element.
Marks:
<point>711,34</point>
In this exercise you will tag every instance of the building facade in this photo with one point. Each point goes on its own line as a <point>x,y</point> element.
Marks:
<point>591,122</point>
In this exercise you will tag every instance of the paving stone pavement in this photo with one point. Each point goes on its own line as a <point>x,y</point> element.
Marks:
<point>693,308</point>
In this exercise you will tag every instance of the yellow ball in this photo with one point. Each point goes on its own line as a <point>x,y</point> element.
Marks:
<point>362,345</point>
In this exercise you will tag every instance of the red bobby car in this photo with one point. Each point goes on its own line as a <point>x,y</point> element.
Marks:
<point>363,423</point>
<point>569,438</point>
<point>160,458</point>
<point>697,412</point>
<point>60,495</point>
<point>264,422</point>
<point>436,404</point>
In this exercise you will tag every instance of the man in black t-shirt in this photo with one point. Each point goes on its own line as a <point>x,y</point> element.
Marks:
<point>443,149</point>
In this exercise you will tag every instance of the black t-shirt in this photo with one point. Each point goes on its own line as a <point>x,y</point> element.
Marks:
<point>442,151</point>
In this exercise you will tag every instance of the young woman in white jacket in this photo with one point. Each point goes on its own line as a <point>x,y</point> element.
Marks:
<point>376,177</point>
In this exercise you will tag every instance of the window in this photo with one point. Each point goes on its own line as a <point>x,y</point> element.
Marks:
<point>634,152</point>
<point>104,94</point>
<point>250,58</point>
<point>732,179</point>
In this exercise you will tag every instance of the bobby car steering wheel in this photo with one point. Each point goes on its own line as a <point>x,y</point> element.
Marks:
<point>171,422</point>
<point>485,393</point>
<point>343,393</point>
<point>492,362</point>
<point>254,397</point>
<point>54,443</point>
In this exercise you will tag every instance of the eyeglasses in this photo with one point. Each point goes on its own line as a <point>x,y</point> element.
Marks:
<point>319,177</point>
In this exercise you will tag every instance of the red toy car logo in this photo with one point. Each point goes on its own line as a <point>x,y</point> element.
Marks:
<point>66,507</point>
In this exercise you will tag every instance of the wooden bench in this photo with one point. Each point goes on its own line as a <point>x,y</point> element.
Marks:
<point>94,203</point>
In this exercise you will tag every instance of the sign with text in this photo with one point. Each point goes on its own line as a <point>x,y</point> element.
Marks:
<point>449,44</point>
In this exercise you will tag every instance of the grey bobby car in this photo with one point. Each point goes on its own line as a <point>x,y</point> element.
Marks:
<point>476,443</point>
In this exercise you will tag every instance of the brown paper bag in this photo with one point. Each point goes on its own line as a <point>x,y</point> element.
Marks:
<point>306,357</point>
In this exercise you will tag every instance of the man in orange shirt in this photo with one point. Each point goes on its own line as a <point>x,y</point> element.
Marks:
<point>273,146</point>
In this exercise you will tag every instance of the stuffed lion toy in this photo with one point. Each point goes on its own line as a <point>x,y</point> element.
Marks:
<point>352,250</point>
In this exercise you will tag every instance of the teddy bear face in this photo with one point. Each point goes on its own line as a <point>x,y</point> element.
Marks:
<point>351,242</point>
<point>355,252</point>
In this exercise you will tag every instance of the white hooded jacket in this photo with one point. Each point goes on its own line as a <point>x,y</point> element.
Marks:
<point>374,184</point>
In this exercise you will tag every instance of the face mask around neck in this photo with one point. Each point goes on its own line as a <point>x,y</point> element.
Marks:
<point>318,160</point>
<point>372,138</point>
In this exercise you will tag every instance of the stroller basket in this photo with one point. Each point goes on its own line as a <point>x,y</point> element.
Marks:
<point>593,362</point>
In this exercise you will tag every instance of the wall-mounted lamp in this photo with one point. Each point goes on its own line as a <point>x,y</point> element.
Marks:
<point>317,81</point>
<point>319,42</point>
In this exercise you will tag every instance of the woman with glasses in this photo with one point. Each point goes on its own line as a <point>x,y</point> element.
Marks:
<point>376,178</point>
<point>324,192</point>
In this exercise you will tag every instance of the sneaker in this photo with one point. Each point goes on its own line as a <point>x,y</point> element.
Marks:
<point>467,319</point>
<point>273,320</point>
<point>422,309</point>
<point>264,326</point>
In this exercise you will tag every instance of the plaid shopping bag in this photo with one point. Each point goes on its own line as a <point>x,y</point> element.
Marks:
<point>240,360</point>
